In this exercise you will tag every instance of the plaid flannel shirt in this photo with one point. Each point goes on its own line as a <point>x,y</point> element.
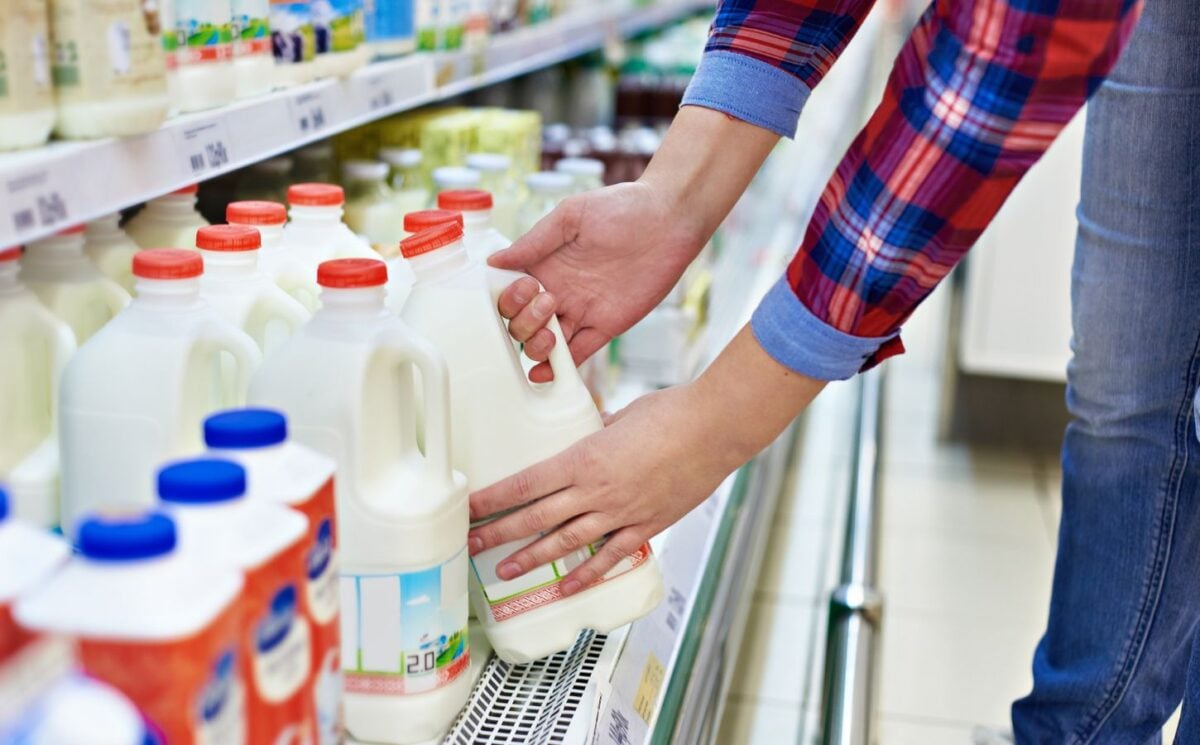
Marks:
<point>979,91</point>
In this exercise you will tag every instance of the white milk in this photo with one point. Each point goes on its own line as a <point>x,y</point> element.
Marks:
<point>146,382</point>
<point>400,276</point>
<point>253,60</point>
<point>158,626</point>
<point>408,181</point>
<point>60,274</point>
<point>480,235</point>
<point>109,68</point>
<point>452,177</point>
<point>282,472</point>
<point>586,173</point>
<point>371,206</point>
<point>111,249</point>
<point>34,346</point>
<point>546,190</point>
<point>27,102</point>
<point>287,268</point>
<point>265,542</point>
<point>346,382</point>
<point>234,285</point>
<point>495,172</point>
<point>202,76</point>
<point>169,221</point>
<point>316,232</point>
<point>502,424</point>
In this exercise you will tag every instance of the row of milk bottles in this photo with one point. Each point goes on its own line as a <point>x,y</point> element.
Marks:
<point>406,411</point>
<point>212,615</point>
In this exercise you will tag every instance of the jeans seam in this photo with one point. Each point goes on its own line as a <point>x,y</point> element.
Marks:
<point>1132,653</point>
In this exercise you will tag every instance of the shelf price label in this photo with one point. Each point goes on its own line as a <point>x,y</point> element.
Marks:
<point>35,202</point>
<point>311,113</point>
<point>205,147</point>
<point>378,91</point>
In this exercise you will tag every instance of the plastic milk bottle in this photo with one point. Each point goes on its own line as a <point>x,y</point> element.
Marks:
<point>169,221</point>
<point>69,284</point>
<point>287,268</point>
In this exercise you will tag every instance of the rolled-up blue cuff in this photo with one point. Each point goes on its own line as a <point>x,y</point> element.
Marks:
<point>749,89</point>
<point>801,342</point>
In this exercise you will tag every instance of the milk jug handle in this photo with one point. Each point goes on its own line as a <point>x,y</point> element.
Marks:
<point>245,352</point>
<point>62,347</point>
<point>286,308</point>
<point>566,376</point>
<point>115,296</point>
<point>435,380</point>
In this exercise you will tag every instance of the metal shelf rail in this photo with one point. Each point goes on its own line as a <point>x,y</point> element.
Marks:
<point>65,183</point>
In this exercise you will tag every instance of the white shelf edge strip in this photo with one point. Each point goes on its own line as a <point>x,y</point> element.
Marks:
<point>65,183</point>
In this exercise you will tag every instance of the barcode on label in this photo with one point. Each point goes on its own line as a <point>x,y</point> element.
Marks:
<point>34,202</point>
<point>618,729</point>
<point>197,162</point>
<point>24,220</point>
<point>204,146</point>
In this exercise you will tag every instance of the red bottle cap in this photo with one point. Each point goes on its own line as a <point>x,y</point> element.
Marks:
<point>315,195</point>
<point>189,189</point>
<point>430,239</point>
<point>256,213</point>
<point>228,238</point>
<point>352,273</point>
<point>415,222</point>
<point>467,200</point>
<point>167,263</point>
<point>10,254</point>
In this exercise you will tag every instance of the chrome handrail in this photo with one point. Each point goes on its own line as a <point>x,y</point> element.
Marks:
<point>855,606</point>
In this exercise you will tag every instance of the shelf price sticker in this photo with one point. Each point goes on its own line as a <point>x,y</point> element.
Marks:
<point>645,701</point>
<point>35,202</point>
<point>378,91</point>
<point>311,112</point>
<point>205,147</point>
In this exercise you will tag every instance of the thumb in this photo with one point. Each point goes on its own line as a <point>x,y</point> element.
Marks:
<point>550,233</point>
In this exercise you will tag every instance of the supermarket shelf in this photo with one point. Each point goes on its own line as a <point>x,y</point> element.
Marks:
<point>64,183</point>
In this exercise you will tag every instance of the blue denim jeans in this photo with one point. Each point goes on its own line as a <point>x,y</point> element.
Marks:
<point>1121,648</point>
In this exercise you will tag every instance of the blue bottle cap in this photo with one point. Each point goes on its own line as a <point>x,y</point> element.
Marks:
<point>3,503</point>
<point>201,481</point>
<point>245,428</point>
<point>127,538</point>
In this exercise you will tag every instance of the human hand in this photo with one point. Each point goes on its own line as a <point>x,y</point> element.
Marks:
<point>606,258</point>
<point>653,462</point>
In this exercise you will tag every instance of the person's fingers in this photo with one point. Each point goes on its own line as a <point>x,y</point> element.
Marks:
<point>619,546</point>
<point>532,318</point>
<point>541,373</point>
<point>534,482</point>
<point>538,346</point>
<point>585,343</point>
<point>567,538</point>
<point>530,521</point>
<point>517,296</point>
<point>547,236</point>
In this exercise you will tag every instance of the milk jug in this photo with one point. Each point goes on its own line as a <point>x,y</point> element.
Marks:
<point>495,172</point>
<point>287,268</point>
<point>265,542</point>
<point>169,221</point>
<point>237,289</point>
<point>158,626</point>
<point>371,206</point>
<point>145,384</point>
<point>111,249</point>
<point>502,424</point>
<point>480,236</point>
<point>316,231</point>
<point>283,472</point>
<point>27,98</point>
<point>34,347</point>
<point>60,274</point>
<point>400,277</point>
<point>346,381</point>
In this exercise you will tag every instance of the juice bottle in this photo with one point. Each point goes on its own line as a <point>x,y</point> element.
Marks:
<point>60,274</point>
<point>169,221</point>
<point>280,471</point>
<point>26,92</point>
<point>109,69</point>
<point>502,424</point>
<point>34,346</point>
<point>265,543</point>
<point>110,249</point>
<point>156,625</point>
<point>244,295</point>
<point>146,381</point>
<point>347,383</point>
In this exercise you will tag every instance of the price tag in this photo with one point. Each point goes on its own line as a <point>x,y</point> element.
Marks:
<point>35,202</point>
<point>378,89</point>
<point>205,147</point>
<point>311,113</point>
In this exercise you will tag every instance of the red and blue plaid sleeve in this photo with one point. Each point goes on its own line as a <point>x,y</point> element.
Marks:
<point>978,93</point>
<point>763,57</point>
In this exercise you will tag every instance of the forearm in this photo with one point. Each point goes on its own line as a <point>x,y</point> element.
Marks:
<point>745,399</point>
<point>705,162</point>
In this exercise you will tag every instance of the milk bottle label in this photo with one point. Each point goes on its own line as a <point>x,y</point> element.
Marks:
<point>405,633</point>
<point>106,50</point>
<point>202,669</point>
<point>427,24</point>
<point>339,25</point>
<point>510,598</point>
<point>293,39</point>
<point>25,45</point>
<point>204,31</point>
<point>321,595</point>
<point>281,648</point>
<point>251,27</point>
<point>321,569</point>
